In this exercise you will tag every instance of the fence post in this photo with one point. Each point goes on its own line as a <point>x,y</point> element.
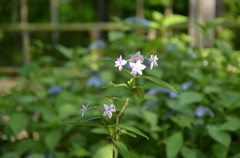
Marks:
<point>54,19</point>
<point>200,11</point>
<point>25,34</point>
<point>140,8</point>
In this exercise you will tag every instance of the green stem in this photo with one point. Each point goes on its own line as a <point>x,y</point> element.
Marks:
<point>117,122</point>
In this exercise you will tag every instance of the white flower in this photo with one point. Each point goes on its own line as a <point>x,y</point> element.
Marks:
<point>136,57</point>
<point>153,60</point>
<point>108,110</point>
<point>120,62</point>
<point>137,68</point>
<point>84,108</point>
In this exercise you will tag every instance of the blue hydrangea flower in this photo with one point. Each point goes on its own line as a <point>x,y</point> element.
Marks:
<point>192,54</point>
<point>97,44</point>
<point>56,89</point>
<point>155,90</point>
<point>149,104</point>
<point>94,81</point>
<point>173,94</point>
<point>203,110</point>
<point>171,46</point>
<point>137,20</point>
<point>186,85</point>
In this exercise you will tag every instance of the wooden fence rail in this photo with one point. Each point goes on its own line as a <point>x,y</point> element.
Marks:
<point>39,27</point>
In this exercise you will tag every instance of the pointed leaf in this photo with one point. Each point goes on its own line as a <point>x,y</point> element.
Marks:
<point>223,138</point>
<point>129,133</point>
<point>52,139</point>
<point>160,82</point>
<point>131,129</point>
<point>122,149</point>
<point>174,144</point>
<point>18,122</point>
<point>111,84</point>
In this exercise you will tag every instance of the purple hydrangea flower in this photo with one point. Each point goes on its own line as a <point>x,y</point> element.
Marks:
<point>137,67</point>
<point>97,44</point>
<point>137,20</point>
<point>203,110</point>
<point>186,85</point>
<point>120,63</point>
<point>56,89</point>
<point>108,110</point>
<point>153,60</point>
<point>94,81</point>
<point>84,108</point>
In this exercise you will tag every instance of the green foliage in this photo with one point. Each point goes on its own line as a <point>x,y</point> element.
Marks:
<point>155,123</point>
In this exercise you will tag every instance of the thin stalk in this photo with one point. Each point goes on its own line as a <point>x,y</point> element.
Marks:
<point>117,121</point>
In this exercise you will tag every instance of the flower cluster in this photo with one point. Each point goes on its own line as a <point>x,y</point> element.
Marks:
<point>136,63</point>
<point>108,110</point>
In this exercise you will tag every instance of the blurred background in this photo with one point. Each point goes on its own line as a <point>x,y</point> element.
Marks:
<point>50,64</point>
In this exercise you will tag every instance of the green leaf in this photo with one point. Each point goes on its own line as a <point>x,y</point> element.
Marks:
<point>220,151</point>
<point>115,35</point>
<point>131,129</point>
<point>105,151</point>
<point>85,124</point>
<point>189,153</point>
<point>189,97</point>
<point>182,121</point>
<point>174,144</point>
<point>140,92</point>
<point>66,110</point>
<point>68,53</point>
<point>225,47</point>
<point>111,84</point>
<point>122,149</point>
<point>128,133</point>
<point>160,82</point>
<point>99,130</point>
<point>37,156</point>
<point>212,89</point>
<point>112,98</point>
<point>52,139</point>
<point>18,122</point>
<point>237,155</point>
<point>108,85</point>
<point>157,16</point>
<point>232,124</point>
<point>223,138</point>
<point>154,25</point>
<point>215,22</point>
<point>174,19</point>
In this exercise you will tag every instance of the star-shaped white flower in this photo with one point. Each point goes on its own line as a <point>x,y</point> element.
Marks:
<point>120,62</point>
<point>108,110</point>
<point>153,60</point>
<point>136,57</point>
<point>84,108</point>
<point>137,67</point>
